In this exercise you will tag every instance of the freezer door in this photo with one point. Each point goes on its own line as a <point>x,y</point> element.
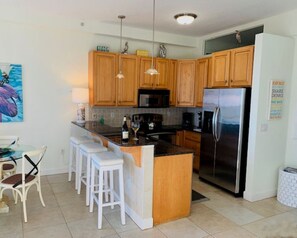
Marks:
<point>207,146</point>
<point>229,133</point>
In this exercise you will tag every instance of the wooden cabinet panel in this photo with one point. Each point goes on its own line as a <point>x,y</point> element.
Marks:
<point>145,80</point>
<point>192,141</point>
<point>179,138</point>
<point>241,66</point>
<point>102,84</point>
<point>127,87</point>
<point>172,187</point>
<point>172,81</point>
<point>232,68</point>
<point>162,66</point>
<point>185,87</point>
<point>202,76</point>
<point>220,69</point>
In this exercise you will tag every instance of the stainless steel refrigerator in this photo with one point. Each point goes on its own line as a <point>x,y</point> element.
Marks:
<point>224,137</point>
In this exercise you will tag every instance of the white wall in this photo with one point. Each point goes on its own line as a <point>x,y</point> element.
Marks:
<point>267,138</point>
<point>54,60</point>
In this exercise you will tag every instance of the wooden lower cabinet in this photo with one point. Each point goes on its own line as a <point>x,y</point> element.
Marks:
<point>190,139</point>
<point>172,187</point>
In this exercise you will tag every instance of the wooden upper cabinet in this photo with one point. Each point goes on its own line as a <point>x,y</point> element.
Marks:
<point>127,87</point>
<point>232,68</point>
<point>162,66</point>
<point>202,78</point>
<point>145,80</point>
<point>241,69</point>
<point>220,69</point>
<point>171,83</point>
<point>185,86</point>
<point>102,73</point>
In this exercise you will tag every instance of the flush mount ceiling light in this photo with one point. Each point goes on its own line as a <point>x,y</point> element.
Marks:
<point>120,75</point>
<point>185,18</point>
<point>152,70</point>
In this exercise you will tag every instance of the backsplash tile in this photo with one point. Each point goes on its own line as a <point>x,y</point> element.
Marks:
<point>114,116</point>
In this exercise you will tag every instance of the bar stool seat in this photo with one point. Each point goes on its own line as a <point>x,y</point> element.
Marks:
<point>75,141</point>
<point>85,152</point>
<point>107,162</point>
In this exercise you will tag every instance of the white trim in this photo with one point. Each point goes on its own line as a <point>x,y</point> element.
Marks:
<point>54,171</point>
<point>143,223</point>
<point>259,196</point>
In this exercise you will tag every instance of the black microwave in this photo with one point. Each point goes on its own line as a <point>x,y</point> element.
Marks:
<point>152,98</point>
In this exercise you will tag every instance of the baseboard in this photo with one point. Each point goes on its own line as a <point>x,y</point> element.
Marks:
<point>143,223</point>
<point>54,171</point>
<point>259,196</point>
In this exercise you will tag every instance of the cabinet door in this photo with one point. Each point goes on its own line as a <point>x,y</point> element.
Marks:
<point>179,138</point>
<point>145,80</point>
<point>162,66</point>
<point>185,86</point>
<point>202,69</point>
<point>127,87</point>
<point>220,69</point>
<point>192,141</point>
<point>172,81</point>
<point>102,73</point>
<point>241,66</point>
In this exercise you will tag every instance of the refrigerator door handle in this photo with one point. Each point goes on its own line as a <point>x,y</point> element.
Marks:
<point>214,123</point>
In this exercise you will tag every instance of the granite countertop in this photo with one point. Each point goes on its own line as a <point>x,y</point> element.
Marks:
<point>113,134</point>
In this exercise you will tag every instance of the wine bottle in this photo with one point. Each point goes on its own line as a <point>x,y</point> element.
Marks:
<point>125,131</point>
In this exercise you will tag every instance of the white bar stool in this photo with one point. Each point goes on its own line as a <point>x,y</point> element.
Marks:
<point>107,162</point>
<point>75,141</point>
<point>85,152</point>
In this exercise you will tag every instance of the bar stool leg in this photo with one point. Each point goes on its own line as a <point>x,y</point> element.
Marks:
<point>92,187</point>
<point>88,180</point>
<point>70,162</point>
<point>111,188</point>
<point>122,199</point>
<point>76,166</point>
<point>105,177</point>
<point>79,171</point>
<point>100,197</point>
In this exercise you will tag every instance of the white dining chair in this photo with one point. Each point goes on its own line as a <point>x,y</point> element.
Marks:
<point>20,183</point>
<point>8,167</point>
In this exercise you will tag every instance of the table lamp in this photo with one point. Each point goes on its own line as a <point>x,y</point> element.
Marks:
<point>80,96</point>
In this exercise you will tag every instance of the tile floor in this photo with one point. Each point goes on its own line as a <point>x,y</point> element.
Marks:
<point>66,215</point>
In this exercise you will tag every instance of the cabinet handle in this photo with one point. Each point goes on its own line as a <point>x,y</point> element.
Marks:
<point>152,84</point>
<point>226,81</point>
<point>231,81</point>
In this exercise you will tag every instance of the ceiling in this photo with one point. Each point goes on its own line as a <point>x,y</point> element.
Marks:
<point>213,15</point>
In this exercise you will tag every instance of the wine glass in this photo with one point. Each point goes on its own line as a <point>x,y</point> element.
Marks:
<point>135,127</point>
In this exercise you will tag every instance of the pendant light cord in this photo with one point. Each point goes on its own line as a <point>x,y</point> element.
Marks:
<point>153,34</point>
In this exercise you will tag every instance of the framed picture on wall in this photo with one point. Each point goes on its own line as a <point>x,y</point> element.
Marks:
<point>276,99</point>
<point>11,93</point>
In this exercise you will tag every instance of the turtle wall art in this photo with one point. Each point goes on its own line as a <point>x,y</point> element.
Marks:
<point>11,93</point>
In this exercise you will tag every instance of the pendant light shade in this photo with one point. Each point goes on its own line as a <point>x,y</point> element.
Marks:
<point>120,75</point>
<point>152,70</point>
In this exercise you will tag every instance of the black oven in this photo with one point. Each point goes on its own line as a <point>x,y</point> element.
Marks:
<point>153,98</point>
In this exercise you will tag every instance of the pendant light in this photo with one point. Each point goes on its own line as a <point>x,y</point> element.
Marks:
<point>152,70</point>
<point>120,75</point>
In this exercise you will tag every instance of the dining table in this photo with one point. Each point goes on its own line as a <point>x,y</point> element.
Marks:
<point>11,153</point>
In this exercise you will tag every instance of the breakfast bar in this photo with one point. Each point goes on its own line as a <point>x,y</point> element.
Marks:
<point>157,174</point>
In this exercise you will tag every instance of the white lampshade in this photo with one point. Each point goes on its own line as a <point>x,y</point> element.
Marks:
<point>80,95</point>
<point>185,18</point>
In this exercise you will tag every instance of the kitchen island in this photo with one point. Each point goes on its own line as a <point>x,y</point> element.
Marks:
<point>157,175</point>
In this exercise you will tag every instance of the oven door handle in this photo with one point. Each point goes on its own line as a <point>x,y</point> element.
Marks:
<point>161,133</point>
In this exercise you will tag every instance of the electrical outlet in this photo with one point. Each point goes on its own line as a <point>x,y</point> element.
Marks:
<point>112,114</point>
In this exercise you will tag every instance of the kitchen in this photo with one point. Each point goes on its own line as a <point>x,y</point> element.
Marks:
<point>65,58</point>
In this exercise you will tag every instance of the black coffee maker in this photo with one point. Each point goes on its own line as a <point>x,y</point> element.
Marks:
<point>188,120</point>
